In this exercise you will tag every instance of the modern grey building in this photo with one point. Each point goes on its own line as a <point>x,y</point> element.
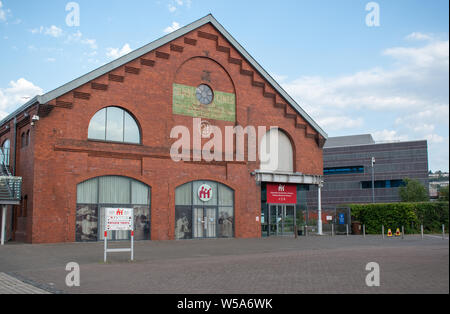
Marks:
<point>348,169</point>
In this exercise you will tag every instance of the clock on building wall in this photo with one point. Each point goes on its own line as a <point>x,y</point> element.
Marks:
<point>204,94</point>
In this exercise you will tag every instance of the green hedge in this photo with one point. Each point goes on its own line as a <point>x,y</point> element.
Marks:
<point>395,215</point>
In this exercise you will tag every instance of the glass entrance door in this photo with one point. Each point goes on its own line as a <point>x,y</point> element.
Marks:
<point>205,222</point>
<point>281,219</point>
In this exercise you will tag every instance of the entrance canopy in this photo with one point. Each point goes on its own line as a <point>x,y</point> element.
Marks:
<point>287,177</point>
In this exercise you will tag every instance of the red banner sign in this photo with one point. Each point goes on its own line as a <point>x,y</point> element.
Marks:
<point>279,193</point>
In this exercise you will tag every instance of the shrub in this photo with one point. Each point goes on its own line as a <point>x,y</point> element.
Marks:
<point>395,215</point>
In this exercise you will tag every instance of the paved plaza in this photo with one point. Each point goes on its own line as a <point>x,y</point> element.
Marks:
<point>233,266</point>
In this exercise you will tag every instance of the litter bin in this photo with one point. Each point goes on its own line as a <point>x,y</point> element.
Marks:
<point>356,228</point>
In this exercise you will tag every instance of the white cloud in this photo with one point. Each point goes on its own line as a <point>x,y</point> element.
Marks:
<point>336,123</point>
<point>17,93</point>
<point>388,135</point>
<point>173,27</point>
<point>407,100</point>
<point>174,3</point>
<point>52,31</point>
<point>172,8</point>
<point>78,38</point>
<point>419,36</point>
<point>2,13</point>
<point>118,52</point>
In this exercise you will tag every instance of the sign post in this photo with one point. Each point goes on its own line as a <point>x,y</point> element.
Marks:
<point>119,219</point>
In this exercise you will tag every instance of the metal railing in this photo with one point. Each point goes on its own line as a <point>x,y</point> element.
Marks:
<point>10,187</point>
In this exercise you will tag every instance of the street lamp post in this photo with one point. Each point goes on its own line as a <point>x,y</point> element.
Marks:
<point>373,180</point>
<point>319,220</point>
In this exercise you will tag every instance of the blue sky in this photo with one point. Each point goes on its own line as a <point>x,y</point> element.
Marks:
<point>390,81</point>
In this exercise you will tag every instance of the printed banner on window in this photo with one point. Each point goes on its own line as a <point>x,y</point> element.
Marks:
<point>118,219</point>
<point>185,102</point>
<point>281,193</point>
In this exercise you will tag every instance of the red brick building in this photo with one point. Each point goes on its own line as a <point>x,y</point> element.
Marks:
<point>104,140</point>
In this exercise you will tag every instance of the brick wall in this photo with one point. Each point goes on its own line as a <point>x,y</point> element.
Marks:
<point>63,157</point>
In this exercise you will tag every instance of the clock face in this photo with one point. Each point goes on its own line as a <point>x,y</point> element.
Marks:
<point>204,94</point>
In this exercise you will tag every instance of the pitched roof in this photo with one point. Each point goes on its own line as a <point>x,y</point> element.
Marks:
<point>351,140</point>
<point>43,99</point>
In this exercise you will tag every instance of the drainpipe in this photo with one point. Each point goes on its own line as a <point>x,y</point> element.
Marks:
<point>15,147</point>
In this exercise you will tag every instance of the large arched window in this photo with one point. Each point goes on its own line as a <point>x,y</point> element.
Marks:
<point>115,125</point>
<point>5,152</point>
<point>204,209</point>
<point>276,153</point>
<point>96,194</point>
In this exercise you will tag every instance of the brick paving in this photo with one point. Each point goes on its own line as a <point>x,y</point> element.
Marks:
<point>240,266</point>
<point>12,285</point>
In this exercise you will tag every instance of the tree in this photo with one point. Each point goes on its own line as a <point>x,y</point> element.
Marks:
<point>413,191</point>
<point>443,193</point>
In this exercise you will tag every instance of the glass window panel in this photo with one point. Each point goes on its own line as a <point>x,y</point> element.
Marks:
<point>6,148</point>
<point>87,192</point>
<point>183,195</point>
<point>196,186</point>
<point>114,124</point>
<point>139,193</point>
<point>97,126</point>
<point>225,195</point>
<point>114,190</point>
<point>210,222</point>
<point>86,223</point>
<point>141,223</point>
<point>225,222</point>
<point>183,222</point>
<point>132,134</point>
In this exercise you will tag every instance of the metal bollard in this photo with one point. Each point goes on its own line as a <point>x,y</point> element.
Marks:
<point>421,231</point>
<point>403,232</point>
<point>364,231</point>
<point>306,230</point>
<point>332,229</point>
<point>346,229</point>
<point>443,232</point>
<point>382,231</point>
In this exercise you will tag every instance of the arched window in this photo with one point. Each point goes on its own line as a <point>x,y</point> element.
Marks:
<point>276,153</point>
<point>204,209</point>
<point>23,140</point>
<point>96,194</point>
<point>5,152</point>
<point>115,125</point>
<point>28,137</point>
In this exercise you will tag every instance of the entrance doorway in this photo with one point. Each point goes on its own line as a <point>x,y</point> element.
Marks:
<point>281,220</point>
<point>205,222</point>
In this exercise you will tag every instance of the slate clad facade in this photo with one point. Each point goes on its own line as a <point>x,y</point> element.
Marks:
<point>104,140</point>
<point>348,170</point>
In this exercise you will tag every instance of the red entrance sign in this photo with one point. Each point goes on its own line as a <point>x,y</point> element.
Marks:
<point>281,193</point>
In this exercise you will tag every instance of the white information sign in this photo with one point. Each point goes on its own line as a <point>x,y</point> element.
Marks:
<point>329,218</point>
<point>119,219</point>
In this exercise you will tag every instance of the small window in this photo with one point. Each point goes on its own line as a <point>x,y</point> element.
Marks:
<point>4,156</point>
<point>28,137</point>
<point>114,124</point>
<point>23,140</point>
